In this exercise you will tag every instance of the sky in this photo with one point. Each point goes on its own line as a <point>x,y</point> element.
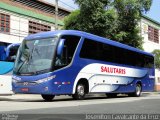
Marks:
<point>154,12</point>
<point>68,4</point>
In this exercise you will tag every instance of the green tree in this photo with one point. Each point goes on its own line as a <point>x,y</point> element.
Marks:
<point>72,21</point>
<point>156,53</point>
<point>92,17</point>
<point>114,19</point>
<point>129,13</point>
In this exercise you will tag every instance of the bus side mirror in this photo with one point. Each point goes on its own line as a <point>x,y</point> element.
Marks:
<point>60,47</point>
<point>9,47</point>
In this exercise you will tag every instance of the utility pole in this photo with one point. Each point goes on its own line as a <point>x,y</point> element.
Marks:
<point>56,14</point>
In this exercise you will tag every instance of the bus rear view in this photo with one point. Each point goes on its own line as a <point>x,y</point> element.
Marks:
<point>77,63</point>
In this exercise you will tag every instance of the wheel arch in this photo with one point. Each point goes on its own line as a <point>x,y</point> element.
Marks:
<point>83,81</point>
<point>139,82</point>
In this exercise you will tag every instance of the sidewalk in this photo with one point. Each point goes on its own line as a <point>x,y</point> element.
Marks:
<point>155,92</point>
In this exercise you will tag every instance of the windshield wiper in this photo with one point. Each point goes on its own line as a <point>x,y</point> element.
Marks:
<point>36,72</point>
<point>28,74</point>
<point>27,58</point>
<point>42,71</point>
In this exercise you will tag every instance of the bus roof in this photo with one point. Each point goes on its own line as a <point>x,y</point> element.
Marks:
<point>85,35</point>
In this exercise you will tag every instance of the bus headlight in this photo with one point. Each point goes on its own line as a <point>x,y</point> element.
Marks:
<point>15,79</point>
<point>45,79</point>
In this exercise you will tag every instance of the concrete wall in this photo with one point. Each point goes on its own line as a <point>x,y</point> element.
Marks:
<point>19,27</point>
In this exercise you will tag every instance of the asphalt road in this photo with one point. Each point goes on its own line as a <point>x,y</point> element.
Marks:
<point>97,104</point>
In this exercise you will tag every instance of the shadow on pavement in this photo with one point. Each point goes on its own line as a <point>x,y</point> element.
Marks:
<point>63,98</point>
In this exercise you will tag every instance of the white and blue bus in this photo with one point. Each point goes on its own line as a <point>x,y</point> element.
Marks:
<point>7,56</point>
<point>76,63</point>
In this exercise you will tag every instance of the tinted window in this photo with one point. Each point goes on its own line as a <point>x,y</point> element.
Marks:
<point>69,48</point>
<point>105,52</point>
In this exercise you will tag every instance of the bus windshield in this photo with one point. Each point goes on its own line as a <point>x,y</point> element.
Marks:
<point>35,56</point>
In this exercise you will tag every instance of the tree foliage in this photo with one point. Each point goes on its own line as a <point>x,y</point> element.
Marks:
<point>114,19</point>
<point>129,13</point>
<point>72,21</point>
<point>92,17</point>
<point>156,53</point>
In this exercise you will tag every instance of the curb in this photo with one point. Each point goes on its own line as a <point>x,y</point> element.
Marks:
<point>150,92</point>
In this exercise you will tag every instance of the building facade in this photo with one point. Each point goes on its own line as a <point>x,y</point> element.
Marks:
<point>19,18</point>
<point>150,32</point>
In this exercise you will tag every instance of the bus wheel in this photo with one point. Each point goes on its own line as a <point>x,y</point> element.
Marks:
<point>80,92</point>
<point>48,97</point>
<point>137,92</point>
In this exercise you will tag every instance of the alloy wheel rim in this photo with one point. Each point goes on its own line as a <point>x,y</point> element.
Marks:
<point>80,90</point>
<point>138,90</point>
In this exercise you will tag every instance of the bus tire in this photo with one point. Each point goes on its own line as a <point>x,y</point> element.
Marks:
<point>80,92</point>
<point>137,92</point>
<point>48,97</point>
<point>111,95</point>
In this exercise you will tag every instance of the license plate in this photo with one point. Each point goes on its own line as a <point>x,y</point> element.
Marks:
<point>24,89</point>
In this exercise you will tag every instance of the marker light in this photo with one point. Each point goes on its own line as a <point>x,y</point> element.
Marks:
<point>57,83</point>
<point>15,80</point>
<point>65,83</point>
